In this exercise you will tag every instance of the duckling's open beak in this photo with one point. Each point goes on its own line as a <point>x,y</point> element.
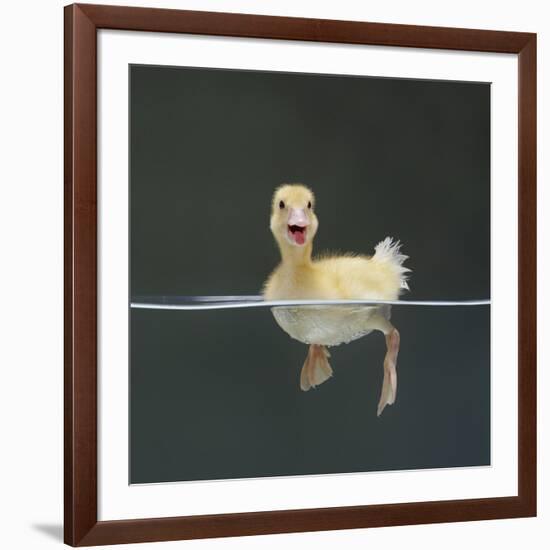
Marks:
<point>297,225</point>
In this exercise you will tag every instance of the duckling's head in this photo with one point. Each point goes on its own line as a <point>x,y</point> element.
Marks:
<point>293,220</point>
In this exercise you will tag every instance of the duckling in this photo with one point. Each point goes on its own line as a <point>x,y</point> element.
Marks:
<point>331,277</point>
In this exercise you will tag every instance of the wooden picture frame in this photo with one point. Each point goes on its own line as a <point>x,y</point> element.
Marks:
<point>82,527</point>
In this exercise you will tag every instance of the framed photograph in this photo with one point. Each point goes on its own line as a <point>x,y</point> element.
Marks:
<point>300,274</point>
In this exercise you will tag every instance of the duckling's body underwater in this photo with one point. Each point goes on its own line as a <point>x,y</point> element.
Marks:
<point>300,276</point>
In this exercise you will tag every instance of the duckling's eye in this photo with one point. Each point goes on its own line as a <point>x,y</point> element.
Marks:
<point>281,205</point>
<point>309,205</point>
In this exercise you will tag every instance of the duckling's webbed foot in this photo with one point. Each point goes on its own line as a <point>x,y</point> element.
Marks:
<point>316,368</point>
<point>389,385</point>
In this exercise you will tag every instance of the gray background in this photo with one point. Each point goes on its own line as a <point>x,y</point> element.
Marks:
<point>216,394</point>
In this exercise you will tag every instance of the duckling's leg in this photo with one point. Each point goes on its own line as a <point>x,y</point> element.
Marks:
<point>316,368</point>
<point>389,384</point>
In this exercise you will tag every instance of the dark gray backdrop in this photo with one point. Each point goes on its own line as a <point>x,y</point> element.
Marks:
<point>216,394</point>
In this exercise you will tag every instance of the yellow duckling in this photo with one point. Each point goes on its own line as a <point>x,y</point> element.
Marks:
<point>344,277</point>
